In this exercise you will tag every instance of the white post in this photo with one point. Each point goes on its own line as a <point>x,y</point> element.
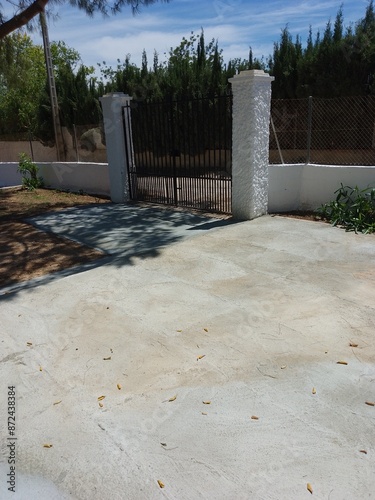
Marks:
<point>251,118</point>
<point>114,128</point>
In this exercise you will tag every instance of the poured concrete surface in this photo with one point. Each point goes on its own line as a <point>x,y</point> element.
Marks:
<point>271,304</point>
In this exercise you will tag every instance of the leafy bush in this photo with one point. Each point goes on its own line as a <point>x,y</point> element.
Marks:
<point>29,172</point>
<point>353,209</point>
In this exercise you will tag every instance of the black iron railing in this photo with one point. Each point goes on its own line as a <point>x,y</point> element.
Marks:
<point>183,152</point>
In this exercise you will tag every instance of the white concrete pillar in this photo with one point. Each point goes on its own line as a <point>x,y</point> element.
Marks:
<point>251,118</point>
<point>114,128</point>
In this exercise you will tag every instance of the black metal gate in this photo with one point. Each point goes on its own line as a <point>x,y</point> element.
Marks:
<point>182,152</point>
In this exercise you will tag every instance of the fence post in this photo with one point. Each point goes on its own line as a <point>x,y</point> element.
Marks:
<point>114,129</point>
<point>250,142</point>
<point>309,130</point>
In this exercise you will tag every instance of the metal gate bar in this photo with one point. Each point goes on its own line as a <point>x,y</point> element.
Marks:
<point>183,152</point>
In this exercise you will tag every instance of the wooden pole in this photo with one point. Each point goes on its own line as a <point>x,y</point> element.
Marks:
<point>59,140</point>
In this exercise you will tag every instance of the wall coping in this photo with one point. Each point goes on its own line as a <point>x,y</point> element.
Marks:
<point>251,74</point>
<point>320,165</point>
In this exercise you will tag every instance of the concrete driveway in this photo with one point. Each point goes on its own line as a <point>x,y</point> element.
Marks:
<point>201,354</point>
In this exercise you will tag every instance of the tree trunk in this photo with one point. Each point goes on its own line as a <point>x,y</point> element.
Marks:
<point>23,18</point>
<point>59,139</point>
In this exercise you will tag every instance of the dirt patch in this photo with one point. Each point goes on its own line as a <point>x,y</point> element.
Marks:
<point>27,252</point>
<point>300,214</point>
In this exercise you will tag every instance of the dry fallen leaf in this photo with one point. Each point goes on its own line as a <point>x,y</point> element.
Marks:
<point>119,387</point>
<point>206,402</point>
<point>205,329</point>
<point>353,345</point>
<point>309,488</point>
<point>342,362</point>
<point>313,390</point>
<point>100,398</point>
<point>204,413</point>
<point>254,417</point>
<point>47,445</point>
<point>29,343</point>
<point>160,484</point>
<point>107,359</point>
<point>173,398</point>
<point>200,357</point>
<point>40,369</point>
<point>57,402</point>
<point>179,331</point>
<point>163,444</point>
<point>283,367</point>
<point>101,404</point>
<point>370,403</point>
<point>363,451</point>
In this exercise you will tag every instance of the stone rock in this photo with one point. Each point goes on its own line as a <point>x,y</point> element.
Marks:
<point>92,140</point>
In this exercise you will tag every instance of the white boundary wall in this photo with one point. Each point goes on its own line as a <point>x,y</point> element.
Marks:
<point>8,174</point>
<point>92,178</point>
<point>291,187</point>
<point>307,186</point>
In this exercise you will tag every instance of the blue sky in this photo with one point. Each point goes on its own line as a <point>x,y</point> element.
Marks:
<point>237,24</point>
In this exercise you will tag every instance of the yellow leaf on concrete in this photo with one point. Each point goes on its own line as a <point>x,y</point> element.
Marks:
<point>200,357</point>
<point>119,387</point>
<point>313,390</point>
<point>370,403</point>
<point>173,398</point>
<point>254,417</point>
<point>353,345</point>
<point>40,369</point>
<point>342,362</point>
<point>160,484</point>
<point>100,398</point>
<point>57,402</point>
<point>283,367</point>
<point>47,445</point>
<point>206,402</point>
<point>29,343</point>
<point>204,413</point>
<point>205,329</point>
<point>309,488</point>
<point>101,404</point>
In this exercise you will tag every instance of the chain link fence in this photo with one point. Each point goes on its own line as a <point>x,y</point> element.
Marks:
<point>337,131</point>
<point>82,143</point>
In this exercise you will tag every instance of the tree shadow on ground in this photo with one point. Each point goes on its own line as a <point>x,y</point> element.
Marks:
<point>28,252</point>
<point>120,231</point>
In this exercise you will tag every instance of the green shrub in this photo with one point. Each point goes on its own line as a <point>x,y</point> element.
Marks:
<point>29,172</point>
<point>353,209</point>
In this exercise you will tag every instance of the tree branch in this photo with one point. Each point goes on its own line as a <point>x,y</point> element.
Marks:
<point>89,6</point>
<point>23,18</point>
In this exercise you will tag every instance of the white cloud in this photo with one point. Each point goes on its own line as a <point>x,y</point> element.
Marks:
<point>106,46</point>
